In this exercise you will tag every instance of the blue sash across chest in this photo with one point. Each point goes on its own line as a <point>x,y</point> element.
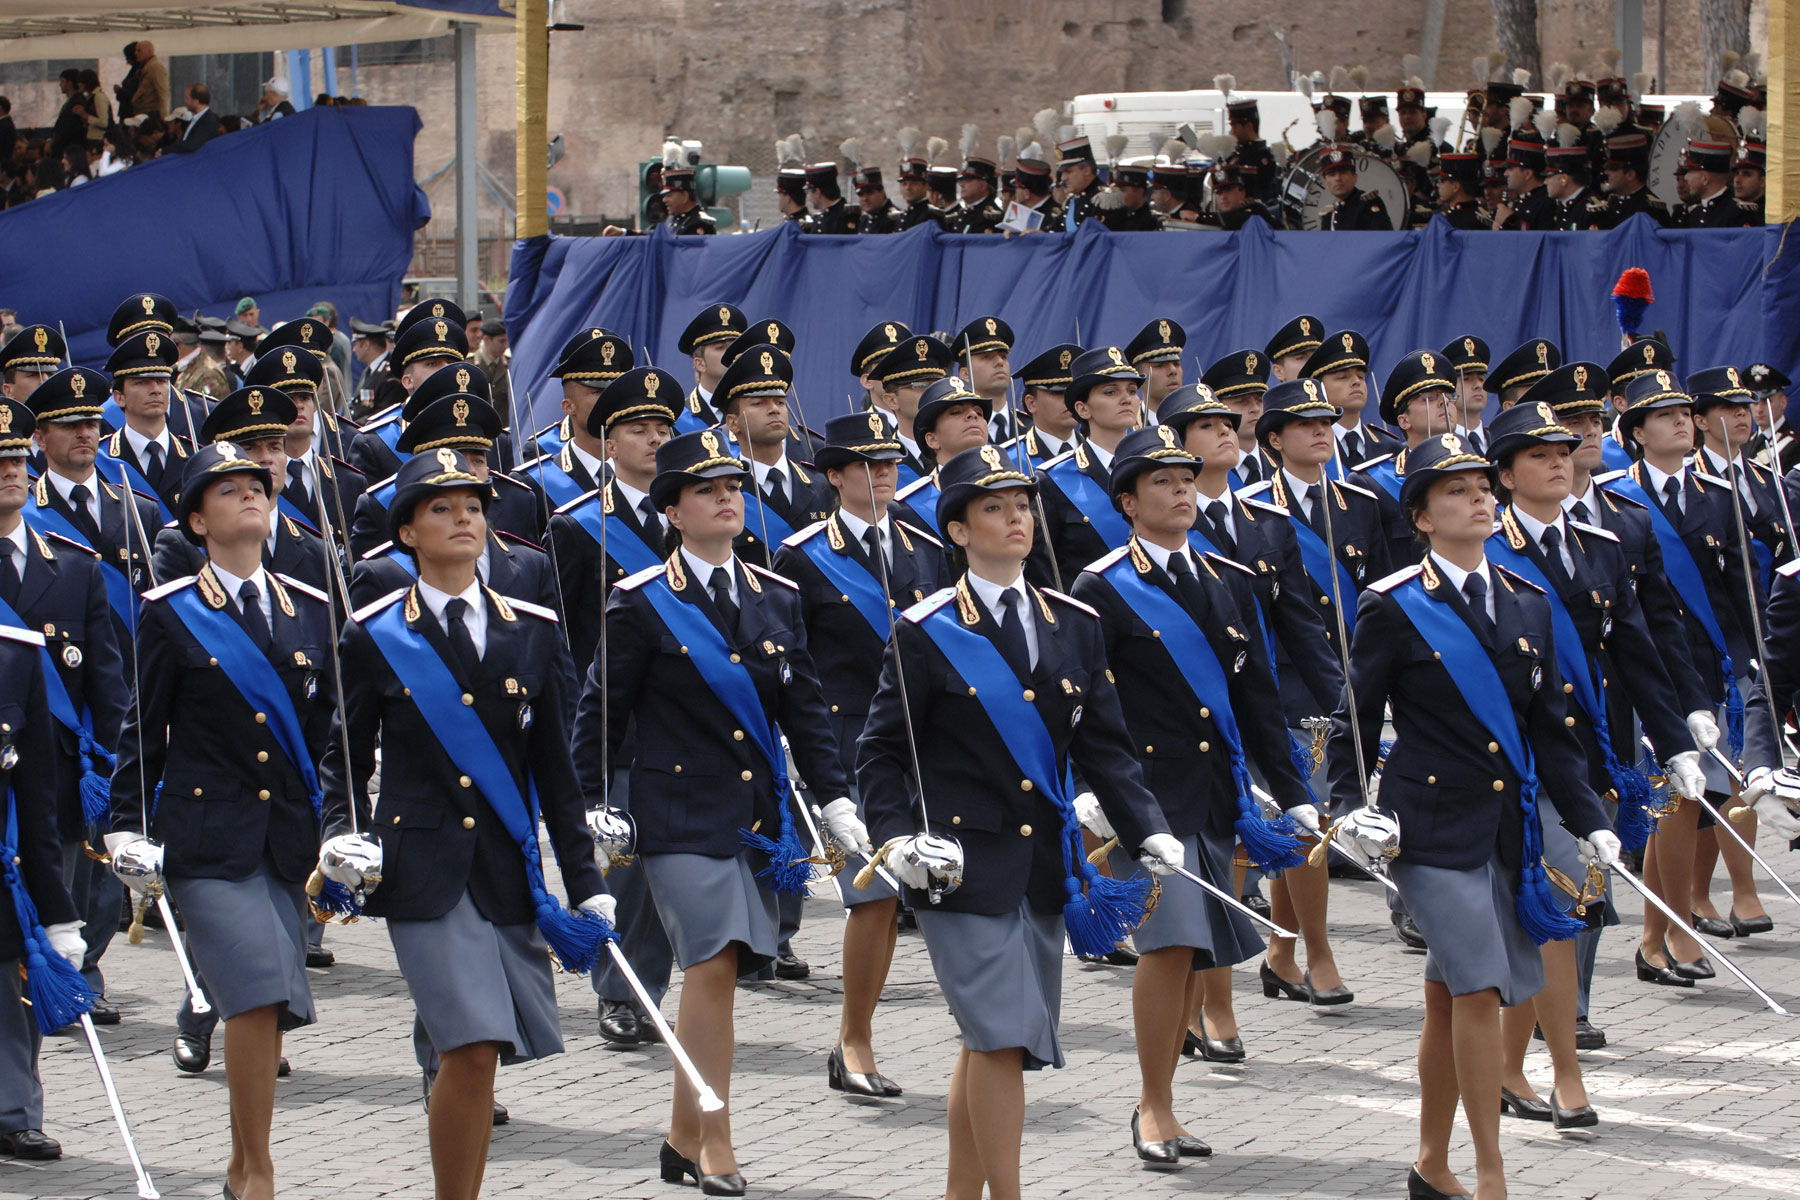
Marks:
<point>851,580</point>
<point>119,592</point>
<point>557,483</point>
<point>609,530</point>
<point>95,796</point>
<point>1090,500</point>
<point>120,473</point>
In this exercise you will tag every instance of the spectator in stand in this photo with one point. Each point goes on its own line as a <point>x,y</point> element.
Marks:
<point>118,153</point>
<point>12,184</point>
<point>70,128</point>
<point>327,312</point>
<point>46,177</point>
<point>494,360</point>
<point>9,133</point>
<point>202,126</point>
<point>75,166</point>
<point>100,109</point>
<point>472,331</point>
<point>274,103</point>
<point>152,94</point>
<point>126,88</point>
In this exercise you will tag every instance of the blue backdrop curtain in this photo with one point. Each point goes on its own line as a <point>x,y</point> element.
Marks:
<point>1723,296</point>
<point>317,206</point>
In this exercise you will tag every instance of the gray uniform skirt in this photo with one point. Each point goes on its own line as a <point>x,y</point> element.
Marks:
<point>709,903</point>
<point>247,938</point>
<point>1188,915</point>
<point>1472,929</point>
<point>848,892</point>
<point>1561,853</point>
<point>474,981</point>
<point>1002,976</point>
<point>1717,782</point>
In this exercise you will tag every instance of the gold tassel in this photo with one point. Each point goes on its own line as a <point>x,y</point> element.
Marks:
<point>1316,855</point>
<point>1098,854</point>
<point>866,876</point>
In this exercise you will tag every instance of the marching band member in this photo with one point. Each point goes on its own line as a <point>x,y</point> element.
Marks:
<point>1004,683</point>
<point>708,653</point>
<point>216,764</point>
<point>463,689</point>
<point>1182,643</point>
<point>853,568</point>
<point>1460,649</point>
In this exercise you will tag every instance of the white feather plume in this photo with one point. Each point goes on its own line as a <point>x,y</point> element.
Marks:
<point>1174,150</point>
<point>1109,198</point>
<point>971,137</point>
<point>1752,63</point>
<point>1556,76</point>
<point>1034,152</point>
<point>1340,79</point>
<point>1115,146</point>
<point>1225,83</point>
<point>1521,77</point>
<point>909,138</point>
<point>1415,81</point>
<point>1280,153</point>
<point>1608,119</point>
<point>1641,81</point>
<point>1304,85</point>
<point>1218,145</point>
<point>1359,75</point>
<point>1481,68</point>
<point>936,148</point>
<point>1044,121</point>
<point>1387,137</point>
<point>1729,59</point>
<point>1688,118</point>
<point>1004,145</point>
<point>1024,135</point>
<point>1327,122</point>
<point>1753,122</point>
<point>1490,140</point>
<point>1410,65</point>
<point>1567,134</point>
<point>1439,126</point>
<point>851,150</point>
<point>1545,124</point>
<point>671,153</point>
<point>1065,133</point>
<point>1737,78</point>
<point>1420,152</point>
<point>1518,111</point>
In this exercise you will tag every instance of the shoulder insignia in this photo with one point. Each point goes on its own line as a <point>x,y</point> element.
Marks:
<point>58,541</point>
<point>1250,501</point>
<point>28,636</point>
<point>377,420</point>
<point>376,552</point>
<point>1514,580</point>
<point>907,529</point>
<point>1065,456</point>
<point>1366,463</point>
<point>501,538</point>
<point>534,462</point>
<point>1706,477</point>
<point>1789,569</point>
<point>1112,556</point>
<point>503,477</point>
<point>1389,582</point>
<point>1354,487</point>
<point>390,481</point>
<point>803,535</point>
<point>1608,476</point>
<point>169,588</point>
<point>916,485</point>
<point>768,574</point>
<point>1255,490</point>
<point>368,610</point>
<point>525,606</point>
<point>281,594</point>
<point>578,501</point>
<point>1594,531</point>
<point>639,578</point>
<point>1221,560</point>
<point>305,589</point>
<point>917,612</point>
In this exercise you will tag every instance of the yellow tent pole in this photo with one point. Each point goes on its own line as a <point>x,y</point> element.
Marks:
<point>533,85</point>
<point>1784,111</point>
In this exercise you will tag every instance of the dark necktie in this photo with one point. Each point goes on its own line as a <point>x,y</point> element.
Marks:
<point>777,489</point>
<point>153,470</point>
<point>1187,586</point>
<point>255,624</point>
<point>1215,513</point>
<point>79,498</point>
<point>721,594</point>
<point>462,644</point>
<point>296,473</point>
<point>651,519</point>
<point>1475,592</point>
<point>1352,453</point>
<point>1579,510</point>
<point>10,573</point>
<point>1553,560</point>
<point>1011,640</point>
<point>1672,495</point>
<point>872,547</point>
<point>1303,499</point>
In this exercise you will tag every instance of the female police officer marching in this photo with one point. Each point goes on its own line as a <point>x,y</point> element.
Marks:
<point>1463,651</point>
<point>216,761</point>
<point>1183,644</point>
<point>1002,685</point>
<point>708,654</point>
<point>463,689</point>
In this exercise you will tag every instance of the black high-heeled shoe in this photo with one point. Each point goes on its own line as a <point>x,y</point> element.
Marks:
<point>1190,1044</point>
<point>1418,1189</point>
<point>1274,985</point>
<point>1711,926</point>
<point>1222,1050</point>
<point>888,1086</point>
<point>1648,972</point>
<point>676,1168</point>
<point>854,1083</point>
<point>1156,1156</point>
<point>1192,1147</point>
<point>1329,996</point>
<point>1744,928</point>
<point>1698,969</point>
<point>229,1194</point>
<point>1572,1118</point>
<point>1519,1106</point>
<point>722,1185</point>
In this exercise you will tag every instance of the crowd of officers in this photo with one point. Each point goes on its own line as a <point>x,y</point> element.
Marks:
<point>120,493</point>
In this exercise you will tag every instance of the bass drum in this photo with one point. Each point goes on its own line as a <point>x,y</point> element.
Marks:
<point>1665,156</point>
<point>1304,200</point>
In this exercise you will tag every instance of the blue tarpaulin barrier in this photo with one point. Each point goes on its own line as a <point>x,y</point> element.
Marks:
<point>1722,296</point>
<point>317,206</point>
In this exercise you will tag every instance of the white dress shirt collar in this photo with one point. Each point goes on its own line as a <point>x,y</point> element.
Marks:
<point>139,443</point>
<point>475,618</point>
<point>1455,576</point>
<point>1161,555</point>
<point>702,571</point>
<point>232,585</point>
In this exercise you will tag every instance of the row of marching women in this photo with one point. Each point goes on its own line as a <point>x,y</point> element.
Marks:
<point>1061,657</point>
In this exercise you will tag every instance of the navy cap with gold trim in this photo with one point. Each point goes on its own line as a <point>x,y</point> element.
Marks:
<point>760,369</point>
<point>1436,457</point>
<point>914,359</point>
<point>1301,335</point>
<point>1639,358</point>
<point>1294,400</point>
<point>146,310</point>
<point>149,354</point>
<point>1104,365</point>
<point>715,323</point>
<point>289,368</point>
<point>72,395</point>
<point>1646,393</point>
<point>1419,372</point>
<point>248,414</point>
<point>1527,423</point>
<point>1467,354</point>
<point>857,437</point>
<point>16,427</point>
<point>1571,389</point>
<point>1345,350</point>
<point>640,394</point>
<point>423,476</point>
<point>1240,373</point>
<point>461,421</point>
<point>1185,405</point>
<point>595,357</point>
<point>1162,340</point>
<point>35,348</point>
<point>693,458</point>
<point>432,337</point>
<point>875,345</point>
<point>206,466</point>
<point>967,475</point>
<point>1718,385</point>
<point>760,333</point>
<point>456,379</point>
<point>983,335</point>
<point>940,398</point>
<point>435,309</point>
<point>308,333</point>
<point>1528,363</point>
<point>1051,371</point>
<point>1151,448</point>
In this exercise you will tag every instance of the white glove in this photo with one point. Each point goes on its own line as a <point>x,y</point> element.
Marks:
<point>1684,772</point>
<point>352,860</point>
<point>602,906</point>
<point>1093,817</point>
<point>915,860</point>
<point>1775,798</point>
<point>1704,729</point>
<point>845,829</point>
<point>1601,846</point>
<point>1370,835</point>
<point>1305,816</point>
<point>1777,817</point>
<point>1161,853</point>
<point>136,860</point>
<point>614,832</point>
<point>65,939</point>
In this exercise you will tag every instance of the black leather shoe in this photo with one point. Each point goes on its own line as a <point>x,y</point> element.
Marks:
<point>1587,1037</point>
<point>29,1143</point>
<point>192,1054</point>
<point>1743,928</point>
<point>722,1185</point>
<point>104,1012</point>
<point>1156,1156</point>
<point>675,1168</point>
<point>1257,903</point>
<point>888,1086</point>
<point>1337,995</point>
<point>1514,1105</point>
<point>1193,1147</point>
<point>1698,969</point>
<point>228,1193</point>
<point>787,966</point>
<point>619,1023</point>
<point>1190,1044</point>
<point>319,956</point>
<point>1120,956</point>
<point>501,1116</point>
<point>1711,926</point>
<point>1418,1189</point>
<point>1572,1118</point>
<point>1650,973</point>
<point>1274,985</point>
<point>854,1083</point>
<point>283,1069</point>
<point>1222,1050</point>
<point>1407,930</point>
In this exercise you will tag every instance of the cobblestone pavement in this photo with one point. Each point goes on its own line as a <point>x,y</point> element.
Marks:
<point>1698,1092</point>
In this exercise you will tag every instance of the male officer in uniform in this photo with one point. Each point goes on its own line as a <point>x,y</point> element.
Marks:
<point>831,213</point>
<point>1419,398</point>
<point>1356,209</point>
<point>1529,362</point>
<point>1131,183</point>
<point>1156,351</point>
<point>1032,178</point>
<point>878,212</point>
<point>298,374</point>
<point>147,312</point>
<point>1644,355</point>
<point>1255,161</point>
<point>904,374</point>
<point>976,212</point>
<point>1340,364</point>
<point>983,350</point>
<point>369,344</point>
<point>195,369</point>
<point>1238,381</point>
<point>913,188</point>
<point>1468,359</point>
<point>1079,521</point>
<point>32,355</point>
<point>1292,345</point>
<point>570,461</point>
<point>1232,199</point>
<point>429,337</point>
<point>1566,182</point>
<point>1459,192</point>
<point>785,497</point>
<point>1529,206</point>
<point>1709,174</point>
<point>1723,411</point>
<point>1080,178</point>
<point>681,197</point>
<point>875,346</point>
<point>1052,429</point>
<point>151,456</point>
<point>704,340</point>
<point>1627,165</point>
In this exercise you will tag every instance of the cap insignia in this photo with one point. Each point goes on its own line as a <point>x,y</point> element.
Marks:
<point>607,350</point>
<point>255,401</point>
<point>1349,340</point>
<point>1312,388</point>
<point>652,381</point>
<point>892,334</point>
<point>441,328</point>
<point>437,309</point>
<point>725,316</point>
<point>153,344</point>
<point>462,379</point>
<point>1450,442</point>
<point>1428,362</point>
<point>41,337</point>
<point>447,459</point>
<point>1168,436</point>
<point>774,331</point>
<point>1162,331</point>
<point>991,457</point>
<point>228,450</point>
<point>1649,352</point>
<point>768,363</point>
<point>1731,374</point>
<point>1547,413</point>
<point>1249,364</point>
<point>460,410</point>
<point>149,303</point>
<point>1469,346</point>
<point>5,421</point>
<point>1581,376</point>
<point>991,327</point>
<point>1112,352</point>
<point>1662,379</point>
<point>710,441</point>
<point>923,349</point>
<point>1305,327</point>
<point>288,361</point>
<point>1064,358</point>
<point>78,385</point>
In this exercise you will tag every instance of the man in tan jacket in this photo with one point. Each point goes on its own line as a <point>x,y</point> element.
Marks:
<point>152,95</point>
